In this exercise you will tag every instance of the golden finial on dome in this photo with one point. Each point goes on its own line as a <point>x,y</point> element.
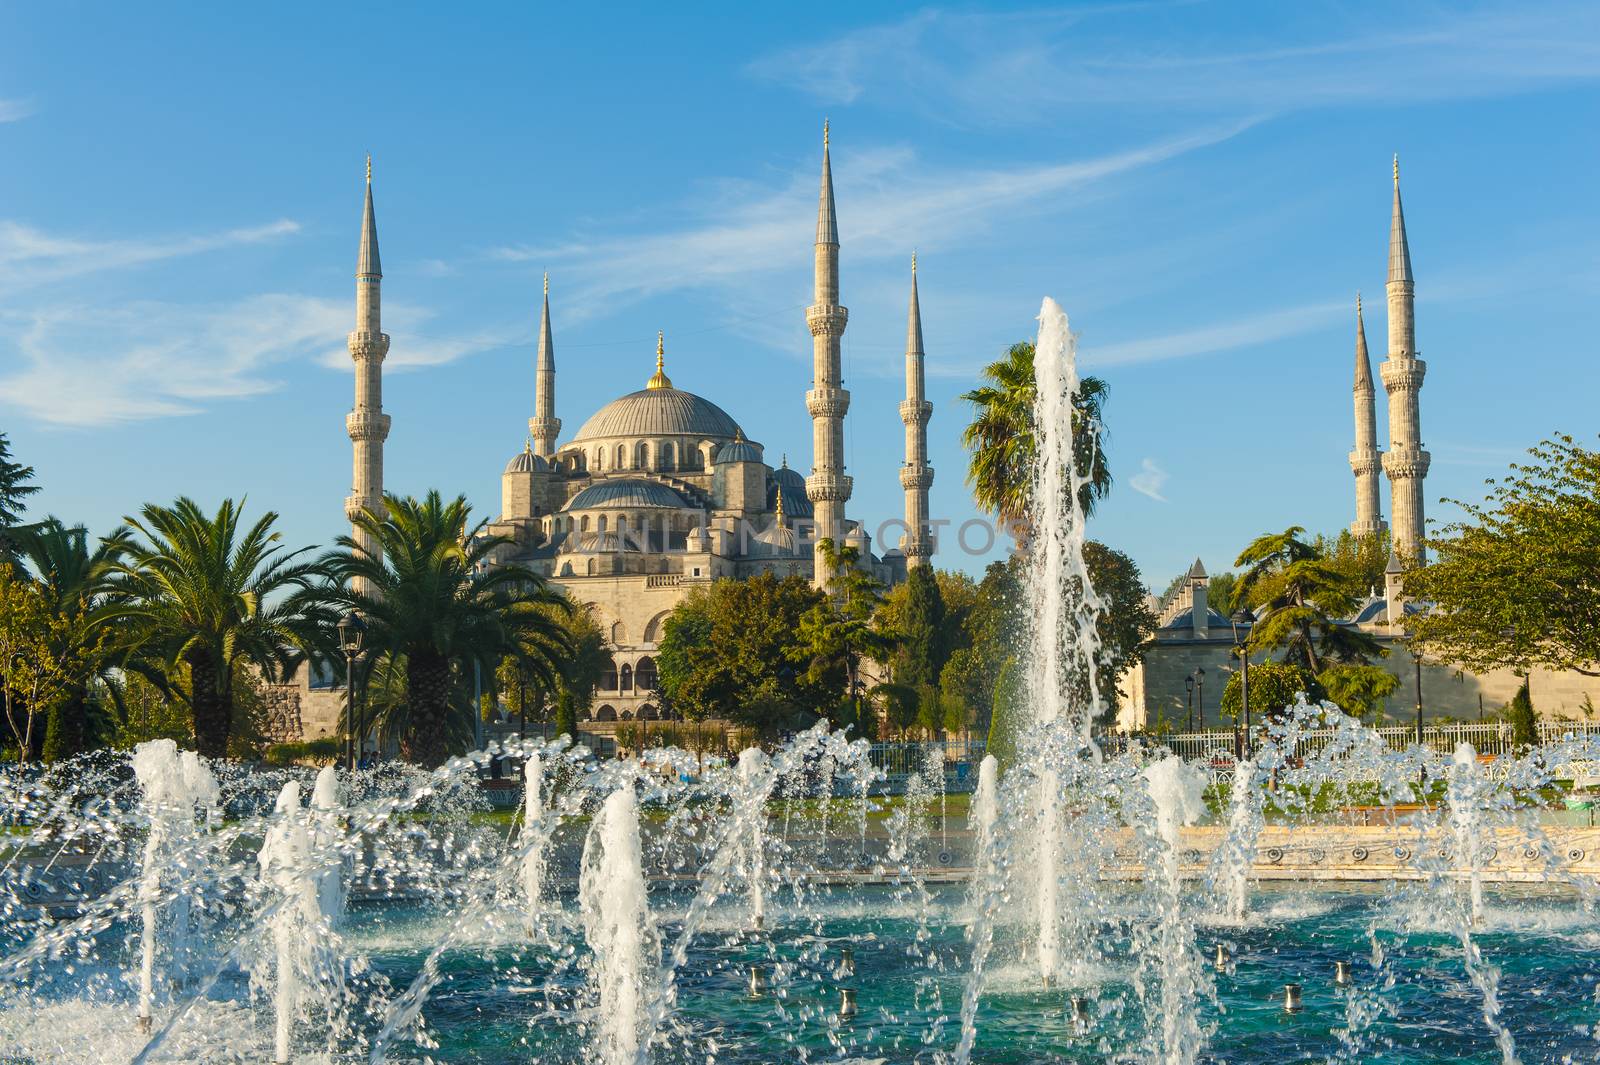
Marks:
<point>1397,168</point>
<point>913,260</point>
<point>824,132</point>
<point>369,168</point>
<point>660,379</point>
<point>780,507</point>
<point>547,282</point>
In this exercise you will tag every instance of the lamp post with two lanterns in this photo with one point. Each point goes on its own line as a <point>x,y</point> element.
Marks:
<point>1241,747</point>
<point>352,633</point>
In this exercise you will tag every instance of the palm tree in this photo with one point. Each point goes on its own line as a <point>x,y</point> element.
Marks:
<point>1000,437</point>
<point>208,597</point>
<point>435,608</point>
<point>75,580</point>
<point>1300,595</point>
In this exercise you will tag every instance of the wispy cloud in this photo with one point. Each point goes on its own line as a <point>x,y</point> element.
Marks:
<point>1149,481</point>
<point>15,110</point>
<point>1009,67</point>
<point>32,256</point>
<point>759,234</point>
<point>1243,332</point>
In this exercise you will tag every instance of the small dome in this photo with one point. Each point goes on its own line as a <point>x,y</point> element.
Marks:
<point>741,450</point>
<point>525,461</point>
<point>789,478</point>
<point>626,492</point>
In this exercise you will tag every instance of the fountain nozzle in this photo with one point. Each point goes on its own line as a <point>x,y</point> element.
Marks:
<point>758,981</point>
<point>1222,958</point>
<point>1049,980</point>
<point>847,1002</point>
<point>847,961</point>
<point>1080,1014</point>
<point>1291,998</point>
<point>1341,973</point>
<point>144,1024</point>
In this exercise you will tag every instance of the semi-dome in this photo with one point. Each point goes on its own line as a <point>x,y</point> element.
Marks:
<point>661,411</point>
<point>741,450</point>
<point>626,492</point>
<point>525,461</point>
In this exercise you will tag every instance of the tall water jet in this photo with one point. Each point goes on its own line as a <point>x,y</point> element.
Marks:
<point>284,858</point>
<point>619,930</point>
<point>531,839</point>
<point>326,835</point>
<point>1466,813</point>
<point>1176,792</point>
<point>754,778</point>
<point>1237,853</point>
<point>1064,645</point>
<point>171,787</point>
<point>984,886</point>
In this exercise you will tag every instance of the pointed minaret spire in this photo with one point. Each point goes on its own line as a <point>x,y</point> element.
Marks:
<point>1365,460</point>
<point>828,487</point>
<point>1405,462</point>
<point>366,424</point>
<point>544,426</point>
<point>916,476</point>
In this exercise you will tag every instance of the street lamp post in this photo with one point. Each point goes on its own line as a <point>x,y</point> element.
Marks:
<point>1416,660</point>
<point>1242,617</point>
<point>1200,694</point>
<point>1188,696</point>
<point>352,630</point>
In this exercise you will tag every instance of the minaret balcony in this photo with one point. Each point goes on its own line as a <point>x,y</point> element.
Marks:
<point>826,319</point>
<point>545,427</point>
<point>1402,373</point>
<point>355,504</point>
<point>827,402</point>
<point>915,412</point>
<point>367,425</point>
<point>1402,463</point>
<point>828,486</point>
<point>917,477</point>
<point>1368,461</point>
<point>365,345</point>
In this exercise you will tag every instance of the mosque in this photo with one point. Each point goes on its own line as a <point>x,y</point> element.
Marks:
<point>662,490</point>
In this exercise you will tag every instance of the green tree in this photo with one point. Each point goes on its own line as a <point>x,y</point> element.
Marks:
<point>1359,560</point>
<point>434,603</point>
<point>1001,438</point>
<point>14,492</point>
<point>75,579</point>
<point>1524,722</point>
<point>922,635</point>
<point>1009,718</point>
<point>579,675</point>
<point>735,650</point>
<point>898,704</point>
<point>838,632</point>
<point>201,599</point>
<point>1357,690</point>
<point>1274,687</point>
<point>1221,593</point>
<point>1516,583</point>
<point>1299,598</point>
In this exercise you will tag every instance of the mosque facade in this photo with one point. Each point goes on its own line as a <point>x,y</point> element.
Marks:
<point>662,490</point>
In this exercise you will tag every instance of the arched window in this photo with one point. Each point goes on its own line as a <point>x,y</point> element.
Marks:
<point>644,455</point>
<point>622,456</point>
<point>648,713</point>
<point>616,641</point>
<point>646,674</point>
<point>608,674</point>
<point>589,569</point>
<point>606,713</point>
<point>627,715</point>
<point>599,523</point>
<point>583,523</point>
<point>669,455</point>
<point>627,678</point>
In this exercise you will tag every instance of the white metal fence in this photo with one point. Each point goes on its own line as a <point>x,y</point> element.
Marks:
<point>1489,737</point>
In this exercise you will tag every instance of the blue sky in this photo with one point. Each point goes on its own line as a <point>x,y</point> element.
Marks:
<point>1204,187</point>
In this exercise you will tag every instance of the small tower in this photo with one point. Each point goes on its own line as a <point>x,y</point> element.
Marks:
<point>1365,460</point>
<point>544,427</point>
<point>1405,462</point>
<point>367,425</point>
<point>916,476</point>
<point>828,487</point>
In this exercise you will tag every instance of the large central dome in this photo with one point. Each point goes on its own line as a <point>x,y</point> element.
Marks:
<point>659,411</point>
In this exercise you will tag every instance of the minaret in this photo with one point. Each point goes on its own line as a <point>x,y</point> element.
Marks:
<point>828,487</point>
<point>1365,460</point>
<point>367,425</point>
<point>544,426</point>
<point>916,475</point>
<point>1405,462</point>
